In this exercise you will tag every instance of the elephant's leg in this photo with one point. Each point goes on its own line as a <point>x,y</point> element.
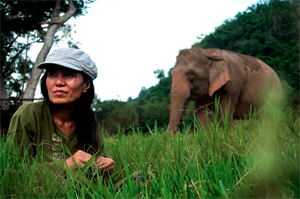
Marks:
<point>203,116</point>
<point>226,109</point>
<point>203,112</point>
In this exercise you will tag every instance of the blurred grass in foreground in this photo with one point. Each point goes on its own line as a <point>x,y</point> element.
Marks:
<point>258,158</point>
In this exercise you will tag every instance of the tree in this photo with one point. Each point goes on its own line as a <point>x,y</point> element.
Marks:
<point>56,22</point>
<point>31,19</point>
<point>121,118</point>
<point>129,99</point>
<point>103,109</point>
<point>114,114</point>
<point>160,74</point>
<point>143,92</point>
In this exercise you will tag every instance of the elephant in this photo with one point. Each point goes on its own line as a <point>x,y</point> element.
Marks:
<point>239,81</point>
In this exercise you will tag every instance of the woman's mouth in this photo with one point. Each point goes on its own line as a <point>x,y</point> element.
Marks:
<point>59,92</point>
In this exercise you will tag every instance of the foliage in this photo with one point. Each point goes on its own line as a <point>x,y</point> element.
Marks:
<point>255,159</point>
<point>125,118</point>
<point>292,96</point>
<point>23,21</point>
<point>14,83</point>
<point>114,115</point>
<point>151,106</point>
<point>160,74</point>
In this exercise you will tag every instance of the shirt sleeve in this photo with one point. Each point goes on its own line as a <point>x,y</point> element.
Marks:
<point>21,133</point>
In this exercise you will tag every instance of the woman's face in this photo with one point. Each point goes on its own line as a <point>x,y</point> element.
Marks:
<point>64,85</point>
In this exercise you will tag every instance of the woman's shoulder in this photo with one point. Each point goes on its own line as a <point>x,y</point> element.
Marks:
<point>32,108</point>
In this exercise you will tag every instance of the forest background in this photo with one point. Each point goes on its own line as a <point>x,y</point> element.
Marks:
<point>267,30</point>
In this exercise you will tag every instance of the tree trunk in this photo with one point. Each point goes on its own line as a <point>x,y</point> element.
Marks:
<point>4,105</point>
<point>36,73</point>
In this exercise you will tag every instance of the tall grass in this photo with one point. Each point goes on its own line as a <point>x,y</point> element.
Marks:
<point>258,158</point>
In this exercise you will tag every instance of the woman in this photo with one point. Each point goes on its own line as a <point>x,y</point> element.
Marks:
<point>64,118</point>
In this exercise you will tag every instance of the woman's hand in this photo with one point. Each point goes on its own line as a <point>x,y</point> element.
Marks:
<point>105,164</point>
<point>79,158</point>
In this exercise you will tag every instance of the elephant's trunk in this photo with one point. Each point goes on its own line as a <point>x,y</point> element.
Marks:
<point>180,92</point>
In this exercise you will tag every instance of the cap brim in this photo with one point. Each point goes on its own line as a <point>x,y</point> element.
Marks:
<point>48,64</point>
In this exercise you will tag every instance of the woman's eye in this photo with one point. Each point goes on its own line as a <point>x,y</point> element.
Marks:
<point>51,74</point>
<point>71,74</point>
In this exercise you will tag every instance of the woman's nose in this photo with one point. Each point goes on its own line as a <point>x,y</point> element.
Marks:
<point>60,81</point>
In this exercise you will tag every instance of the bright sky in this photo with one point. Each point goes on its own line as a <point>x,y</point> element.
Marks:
<point>130,39</point>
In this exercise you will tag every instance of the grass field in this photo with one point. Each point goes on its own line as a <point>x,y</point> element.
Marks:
<point>258,158</point>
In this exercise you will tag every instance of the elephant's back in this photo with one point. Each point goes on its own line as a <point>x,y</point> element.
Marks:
<point>272,85</point>
<point>269,75</point>
<point>248,63</point>
<point>261,85</point>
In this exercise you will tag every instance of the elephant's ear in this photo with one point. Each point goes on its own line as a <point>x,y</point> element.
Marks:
<point>218,75</point>
<point>214,54</point>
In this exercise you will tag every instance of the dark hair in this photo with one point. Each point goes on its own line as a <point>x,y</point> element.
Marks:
<point>86,125</point>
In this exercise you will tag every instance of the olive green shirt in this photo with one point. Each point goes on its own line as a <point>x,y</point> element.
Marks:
<point>33,128</point>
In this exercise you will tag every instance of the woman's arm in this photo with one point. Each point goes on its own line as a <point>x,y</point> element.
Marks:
<point>21,138</point>
<point>21,134</point>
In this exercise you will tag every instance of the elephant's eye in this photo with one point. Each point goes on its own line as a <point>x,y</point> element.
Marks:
<point>191,75</point>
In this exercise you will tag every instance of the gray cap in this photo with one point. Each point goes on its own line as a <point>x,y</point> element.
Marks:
<point>71,58</point>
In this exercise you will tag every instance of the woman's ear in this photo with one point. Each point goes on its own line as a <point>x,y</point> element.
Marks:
<point>86,86</point>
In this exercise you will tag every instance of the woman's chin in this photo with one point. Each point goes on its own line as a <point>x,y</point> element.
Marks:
<point>61,102</point>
